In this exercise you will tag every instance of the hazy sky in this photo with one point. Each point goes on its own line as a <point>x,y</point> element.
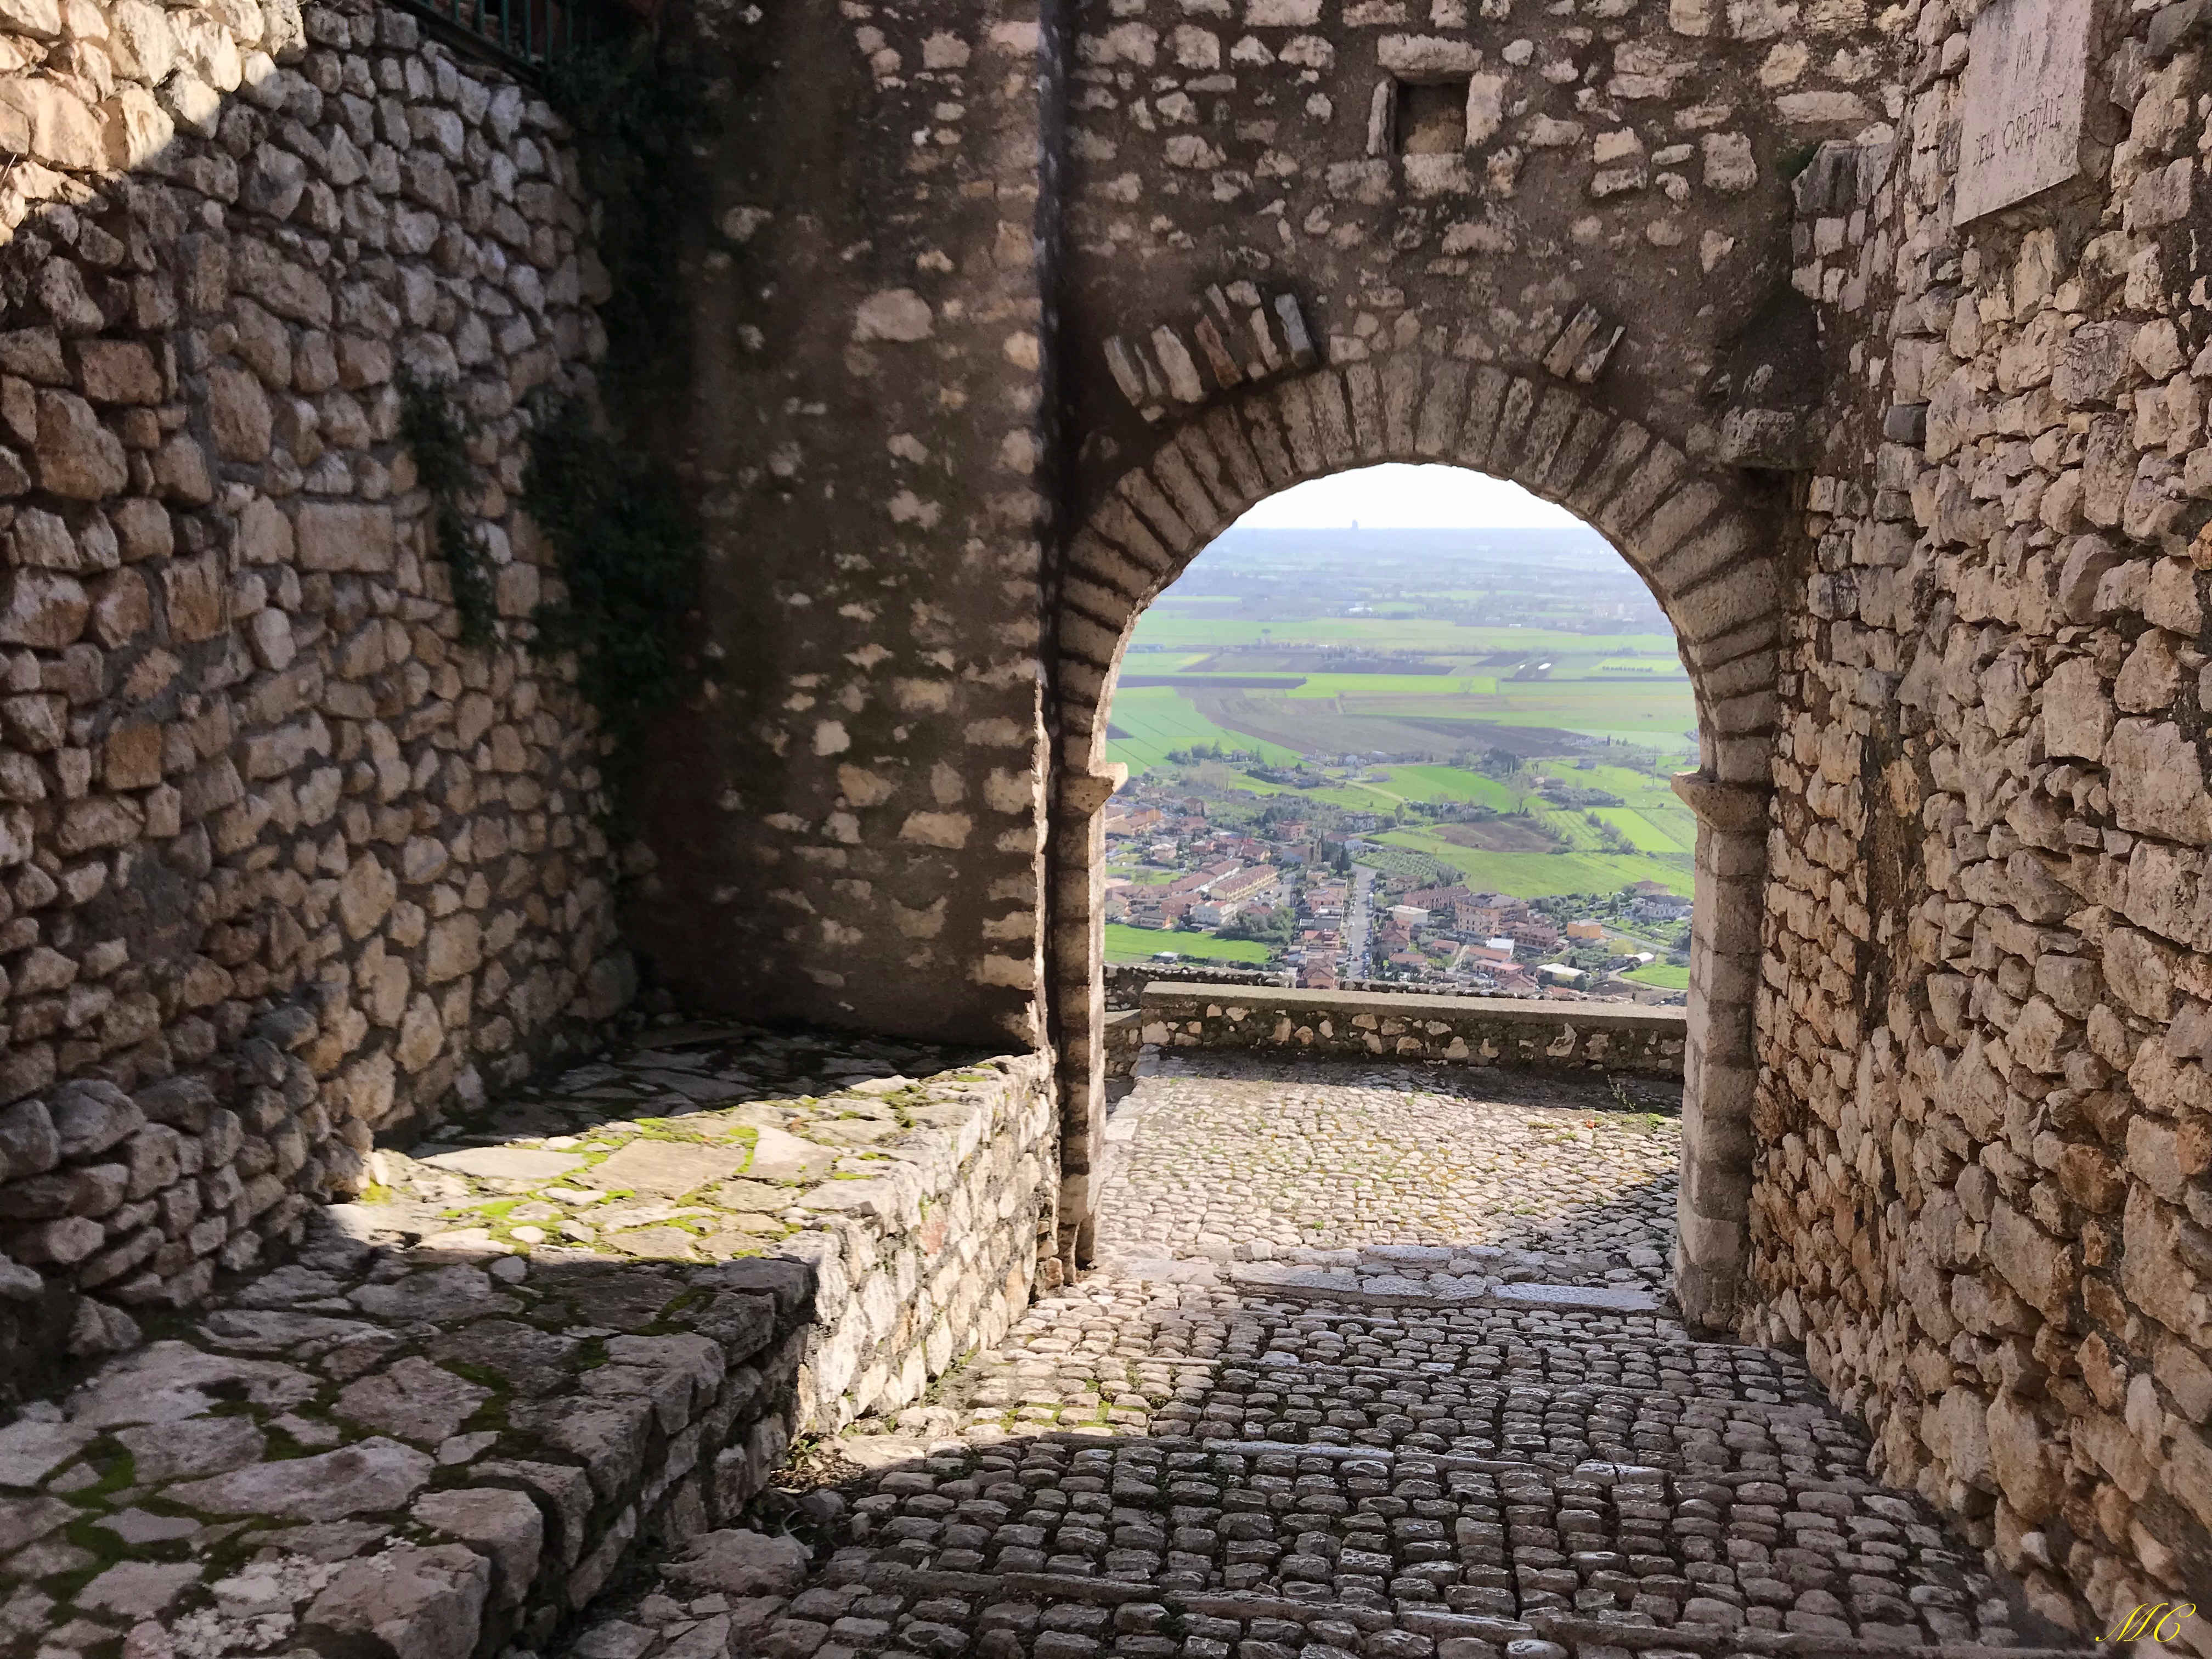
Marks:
<point>1396,496</point>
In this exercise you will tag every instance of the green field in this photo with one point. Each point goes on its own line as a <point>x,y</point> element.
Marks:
<point>1451,783</point>
<point>1640,831</point>
<point>1664,976</point>
<point>1432,686</point>
<point>1127,944</point>
<point>1196,624</point>
<point>1518,655</point>
<point>1533,875</point>
<point>1157,719</point>
<point>1400,784</point>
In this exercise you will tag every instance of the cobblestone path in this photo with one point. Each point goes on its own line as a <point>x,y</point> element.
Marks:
<point>1371,1371</point>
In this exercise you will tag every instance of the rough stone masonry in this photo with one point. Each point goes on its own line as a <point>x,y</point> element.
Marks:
<point>283,866</point>
<point>1922,496</point>
<point>1005,311</point>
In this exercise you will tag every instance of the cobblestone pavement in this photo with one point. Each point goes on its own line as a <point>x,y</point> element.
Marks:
<point>1176,1460</point>
<point>1561,1183</point>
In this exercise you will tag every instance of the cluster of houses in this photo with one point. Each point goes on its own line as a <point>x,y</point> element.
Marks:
<point>1452,934</point>
<point>1290,882</point>
<point>1215,875</point>
<point>1508,946</point>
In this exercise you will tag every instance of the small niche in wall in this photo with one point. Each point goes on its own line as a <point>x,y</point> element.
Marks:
<point>1431,117</point>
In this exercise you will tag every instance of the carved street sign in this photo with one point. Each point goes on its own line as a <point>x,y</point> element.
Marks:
<point>2026,76</point>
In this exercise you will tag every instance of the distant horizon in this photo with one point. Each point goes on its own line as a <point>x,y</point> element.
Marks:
<point>1399,495</point>
<point>1396,553</point>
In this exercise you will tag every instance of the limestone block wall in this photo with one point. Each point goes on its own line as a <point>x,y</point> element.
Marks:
<point>936,1258</point>
<point>1595,1038</point>
<point>283,865</point>
<point>1983,1130</point>
<point>1587,193</point>
<point>846,820</point>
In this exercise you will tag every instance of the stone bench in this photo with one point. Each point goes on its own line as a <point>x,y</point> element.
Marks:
<point>444,1425</point>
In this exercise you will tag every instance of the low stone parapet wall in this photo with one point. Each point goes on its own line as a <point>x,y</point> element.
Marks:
<point>1127,982</point>
<point>573,1325</point>
<point>1122,1037</point>
<point>1552,1036</point>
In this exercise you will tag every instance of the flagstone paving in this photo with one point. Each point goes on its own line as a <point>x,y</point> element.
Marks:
<point>1337,1391</point>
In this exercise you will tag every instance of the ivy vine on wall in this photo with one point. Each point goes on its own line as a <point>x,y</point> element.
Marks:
<point>628,557</point>
<point>625,545</point>
<point>433,436</point>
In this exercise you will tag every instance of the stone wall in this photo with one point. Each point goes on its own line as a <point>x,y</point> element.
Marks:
<point>1984,1128</point>
<point>937,1257</point>
<point>1124,983</point>
<point>1923,496</point>
<point>1597,1039</point>
<point>847,822</point>
<point>1008,315</point>
<point>283,865</point>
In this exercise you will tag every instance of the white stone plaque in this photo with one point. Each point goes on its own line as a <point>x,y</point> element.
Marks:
<point>2027,77</point>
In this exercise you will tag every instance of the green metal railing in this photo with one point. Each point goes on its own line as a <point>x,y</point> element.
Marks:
<point>531,34</point>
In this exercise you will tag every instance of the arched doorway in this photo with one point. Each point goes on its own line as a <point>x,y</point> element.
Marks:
<point>1701,539</point>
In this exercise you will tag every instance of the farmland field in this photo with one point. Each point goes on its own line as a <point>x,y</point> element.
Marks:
<point>1149,721</point>
<point>1412,676</point>
<point>1127,944</point>
<point>1499,836</point>
<point>1532,875</point>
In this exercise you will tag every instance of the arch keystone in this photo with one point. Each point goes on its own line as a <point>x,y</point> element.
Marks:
<point>1302,427</point>
<point>1262,422</point>
<point>1484,401</point>
<point>1443,408</point>
<point>1401,397</point>
<point>1362,384</point>
<point>1547,430</point>
<point>1332,417</point>
<point>1512,426</point>
<point>1565,472</point>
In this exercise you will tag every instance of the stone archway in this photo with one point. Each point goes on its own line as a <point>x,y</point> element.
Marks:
<point>1700,538</point>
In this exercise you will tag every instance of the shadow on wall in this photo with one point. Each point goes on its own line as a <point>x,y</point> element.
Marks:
<point>283,867</point>
<point>443,1450</point>
<point>400,1444</point>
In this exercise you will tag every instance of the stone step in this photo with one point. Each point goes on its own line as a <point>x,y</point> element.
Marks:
<point>1796,1644</point>
<point>1312,1284</point>
<point>1047,1588</point>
